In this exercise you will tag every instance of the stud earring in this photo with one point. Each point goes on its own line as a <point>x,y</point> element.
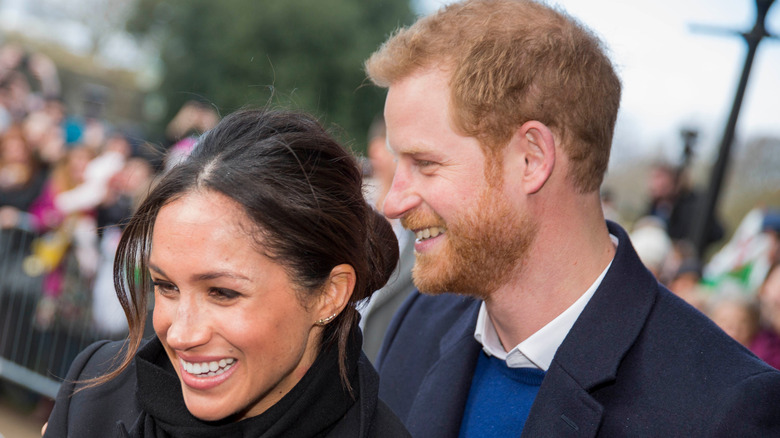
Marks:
<point>325,321</point>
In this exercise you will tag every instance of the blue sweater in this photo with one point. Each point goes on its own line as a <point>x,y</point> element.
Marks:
<point>499,399</point>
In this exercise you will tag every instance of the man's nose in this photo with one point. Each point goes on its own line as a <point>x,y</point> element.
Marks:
<point>402,196</point>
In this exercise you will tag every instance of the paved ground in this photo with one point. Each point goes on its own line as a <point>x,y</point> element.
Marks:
<point>15,423</point>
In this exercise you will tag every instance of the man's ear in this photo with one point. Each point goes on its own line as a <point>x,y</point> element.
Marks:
<point>336,293</point>
<point>534,143</point>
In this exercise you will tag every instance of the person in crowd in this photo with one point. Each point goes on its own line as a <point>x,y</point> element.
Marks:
<point>686,283</point>
<point>377,313</point>
<point>770,227</point>
<point>110,158</point>
<point>652,245</point>
<point>609,206</point>
<point>537,318</point>
<point>258,247</point>
<point>192,119</point>
<point>766,343</point>
<point>125,191</point>
<point>738,316</point>
<point>27,80</point>
<point>46,137</point>
<point>21,178</point>
<point>61,231</point>
<point>678,205</point>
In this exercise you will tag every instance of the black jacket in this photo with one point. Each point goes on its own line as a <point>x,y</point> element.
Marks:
<point>145,400</point>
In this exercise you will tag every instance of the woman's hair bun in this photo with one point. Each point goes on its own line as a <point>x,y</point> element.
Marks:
<point>381,248</point>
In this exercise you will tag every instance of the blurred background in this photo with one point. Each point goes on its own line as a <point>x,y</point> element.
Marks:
<point>97,97</point>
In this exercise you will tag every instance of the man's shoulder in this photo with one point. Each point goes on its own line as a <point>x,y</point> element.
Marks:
<point>435,310</point>
<point>431,339</point>
<point>674,325</point>
<point>423,320</point>
<point>708,376</point>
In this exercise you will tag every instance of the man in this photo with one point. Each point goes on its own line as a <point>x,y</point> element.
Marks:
<point>538,315</point>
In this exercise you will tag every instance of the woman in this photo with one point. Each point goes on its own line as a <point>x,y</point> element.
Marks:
<point>258,247</point>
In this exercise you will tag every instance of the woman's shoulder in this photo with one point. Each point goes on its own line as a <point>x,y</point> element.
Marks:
<point>95,356</point>
<point>386,424</point>
<point>92,411</point>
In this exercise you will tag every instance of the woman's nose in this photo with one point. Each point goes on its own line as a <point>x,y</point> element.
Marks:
<point>187,327</point>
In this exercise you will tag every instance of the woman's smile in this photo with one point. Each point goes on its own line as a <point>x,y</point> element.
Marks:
<point>206,375</point>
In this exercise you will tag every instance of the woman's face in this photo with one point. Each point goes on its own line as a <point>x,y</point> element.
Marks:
<point>228,316</point>
<point>14,150</point>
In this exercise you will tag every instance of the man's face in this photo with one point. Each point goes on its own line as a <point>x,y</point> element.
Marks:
<point>471,234</point>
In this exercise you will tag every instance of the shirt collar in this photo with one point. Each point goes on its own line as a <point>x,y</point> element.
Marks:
<point>538,350</point>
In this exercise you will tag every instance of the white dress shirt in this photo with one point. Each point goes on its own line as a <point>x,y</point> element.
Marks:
<point>538,350</point>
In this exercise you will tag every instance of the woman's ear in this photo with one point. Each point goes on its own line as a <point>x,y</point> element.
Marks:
<point>336,294</point>
<point>534,144</point>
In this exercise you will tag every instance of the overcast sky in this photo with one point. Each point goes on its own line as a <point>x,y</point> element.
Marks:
<point>675,77</point>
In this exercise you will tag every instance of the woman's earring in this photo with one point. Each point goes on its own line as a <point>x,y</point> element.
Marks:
<point>325,321</point>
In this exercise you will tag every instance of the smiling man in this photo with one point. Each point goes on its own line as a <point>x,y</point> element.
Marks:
<point>537,316</point>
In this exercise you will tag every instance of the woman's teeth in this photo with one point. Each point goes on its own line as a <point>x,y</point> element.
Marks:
<point>427,233</point>
<point>207,369</point>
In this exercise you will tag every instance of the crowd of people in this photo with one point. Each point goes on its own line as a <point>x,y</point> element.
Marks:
<point>736,287</point>
<point>68,182</point>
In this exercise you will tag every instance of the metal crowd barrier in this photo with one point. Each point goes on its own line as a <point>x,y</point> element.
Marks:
<point>39,338</point>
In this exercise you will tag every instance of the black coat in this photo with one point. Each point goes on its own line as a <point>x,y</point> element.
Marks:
<point>638,362</point>
<point>128,405</point>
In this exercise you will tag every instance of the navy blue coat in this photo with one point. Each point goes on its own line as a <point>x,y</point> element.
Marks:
<point>638,362</point>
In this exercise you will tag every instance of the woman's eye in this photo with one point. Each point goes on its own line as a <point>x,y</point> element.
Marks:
<point>164,288</point>
<point>223,294</point>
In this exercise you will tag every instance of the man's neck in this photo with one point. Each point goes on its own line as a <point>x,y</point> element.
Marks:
<point>559,269</point>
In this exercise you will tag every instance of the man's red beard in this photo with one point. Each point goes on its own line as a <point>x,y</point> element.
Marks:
<point>480,250</point>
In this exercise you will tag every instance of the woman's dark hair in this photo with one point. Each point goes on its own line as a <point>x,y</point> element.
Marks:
<point>304,193</point>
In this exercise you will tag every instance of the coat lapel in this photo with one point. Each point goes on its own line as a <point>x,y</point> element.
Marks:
<point>562,408</point>
<point>438,408</point>
<point>591,353</point>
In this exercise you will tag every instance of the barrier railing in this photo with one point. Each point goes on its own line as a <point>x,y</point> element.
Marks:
<point>40,335</point>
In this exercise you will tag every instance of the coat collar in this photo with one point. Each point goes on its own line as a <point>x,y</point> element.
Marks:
<point>438,408</point>
<point>611,322</point>
<point>594,348</point>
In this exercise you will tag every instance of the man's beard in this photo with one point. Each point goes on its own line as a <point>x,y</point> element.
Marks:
<point>482,250</point>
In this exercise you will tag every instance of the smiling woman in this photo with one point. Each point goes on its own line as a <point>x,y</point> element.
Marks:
<point>258,248</point>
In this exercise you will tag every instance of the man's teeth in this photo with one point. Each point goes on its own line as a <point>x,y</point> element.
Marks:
<point>207,369</point>
<point>427,233</point>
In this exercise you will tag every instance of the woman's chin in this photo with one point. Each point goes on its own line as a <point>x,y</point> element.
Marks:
<point>207,412</point>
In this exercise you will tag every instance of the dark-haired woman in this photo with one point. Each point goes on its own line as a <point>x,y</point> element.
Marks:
<point>258,248</point>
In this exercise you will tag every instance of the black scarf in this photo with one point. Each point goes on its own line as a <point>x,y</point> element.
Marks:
<point>310,409</point>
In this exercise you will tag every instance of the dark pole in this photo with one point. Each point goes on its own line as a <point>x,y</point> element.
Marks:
<point>706,217</point>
